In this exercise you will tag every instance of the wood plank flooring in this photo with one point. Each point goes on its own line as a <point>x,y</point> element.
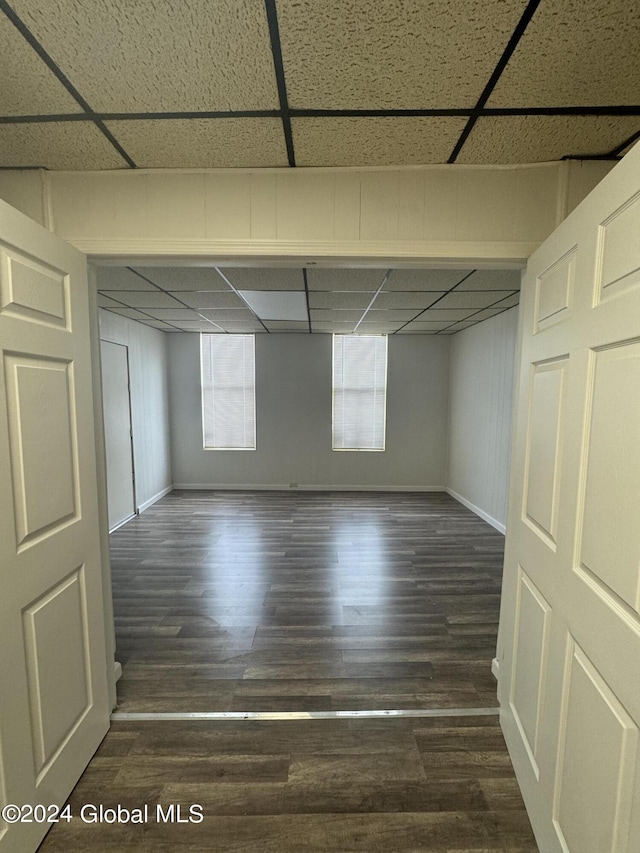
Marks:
<point>283,601</point>
<point>435,785</point>
<point>271,601</point>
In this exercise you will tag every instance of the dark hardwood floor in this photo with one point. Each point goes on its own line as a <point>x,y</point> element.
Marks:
<point>305,601</point>
<point>441,785</point>
<point>269,601</point>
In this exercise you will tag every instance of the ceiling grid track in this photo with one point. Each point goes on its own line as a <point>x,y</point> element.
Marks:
<point>523,23</point>
<point>276,49</point>
<point>63,79</point>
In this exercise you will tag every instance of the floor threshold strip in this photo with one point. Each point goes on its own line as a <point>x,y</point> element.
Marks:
<point>302,715</point>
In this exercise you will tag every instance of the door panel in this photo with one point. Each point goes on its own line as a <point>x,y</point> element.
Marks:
<point>116,403</point>
<point>569,645</point>
<point>54,707</point>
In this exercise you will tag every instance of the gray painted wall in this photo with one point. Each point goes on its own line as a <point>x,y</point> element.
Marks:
<point>480,409</point>
<point>148,368</point>
<point>293,415</point>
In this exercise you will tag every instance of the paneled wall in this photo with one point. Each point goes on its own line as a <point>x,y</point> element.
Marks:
<point>148,368</point>
<point>480,409</point>
<point>293,415</point>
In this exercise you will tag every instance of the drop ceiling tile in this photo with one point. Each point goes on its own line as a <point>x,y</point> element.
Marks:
<point>131,313</point>
<point>277,305</point>
<point>158,324</point>
<point>391,315</point>
<point>340,300</point>
<point>510,301</point>
<point>57,145</point>
<point>427,327</point>
<point>342,328</point>
<point>107,302</point>
<point>196,326</point>
<point>171,314</point>
<point>574,53</point>
<point>249,278</point>
<point>211,299</point>
<point>410,331</point>
<point>396,54</point>
<point>375,141</point>
<point>491,280</point>
<point>406,300</point>
<point>214,299</point>
<point>226,315</point>
<point>472,299</point>
<point>345,279</point>
<point>241,327</point>
<point>184,278</point>
<point>28,87</point>
<point>534,139</point>
<point>424,279</point>
<point>202,143</point>
<point>377,328</point>
<point>443,316</point>
<point>144,298</point>
<point>286,325</point>
<point>146,56</point>
<point>484,315</point>
<point>325,315</point>
<point>121,278</point>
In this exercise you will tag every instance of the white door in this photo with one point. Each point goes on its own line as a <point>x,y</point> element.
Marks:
<point>569,643</point>
<point>54,707</point>
<point>118,432</point>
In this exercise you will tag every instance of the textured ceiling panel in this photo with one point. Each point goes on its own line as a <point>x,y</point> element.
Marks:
<point>440,316</point>
<point>287,325</point>
<point>158,324</point>
<point>427,327</point>
<point>226,315</point>
<point>393,54</point>
<point>171,314</point>
<point>184,278</point>
<point>406,300</point>
<point>343,279</point>
<point>152,56</point>
<point>491,280</point>
<point>340,300</point>
<point>145,298</point>
<point>212,299</point>
<point>575,53</point>
<point>131,313</point>
<point>247,278</point>
<point>535,139</point>
<point>327,316</point>
<point>400,314</point>
<point>121,278</point>
<point>477,299</point>
<point>484,315</point>
<point>57,145</point>
<point>375,141</point>
<point>28,87</point>
<point>239,327</point>
<point>202,143</point>
<point>108,302</point>
<point>424,279</point>
<point>510,301</point>
<point>342,328</point>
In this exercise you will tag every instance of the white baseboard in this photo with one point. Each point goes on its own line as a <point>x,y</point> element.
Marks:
<point>483,515</point>
<point>155,498</point>
<point>495,668</point>
<point>117,670</point>
<point>283,487</point>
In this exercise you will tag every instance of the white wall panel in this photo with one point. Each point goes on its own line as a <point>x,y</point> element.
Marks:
<point>480,404</point>
<point>148,366</point>
<point>293,416</point>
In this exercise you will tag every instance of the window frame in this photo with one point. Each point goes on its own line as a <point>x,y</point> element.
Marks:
<point>205,446</point>
<point>333,397</point>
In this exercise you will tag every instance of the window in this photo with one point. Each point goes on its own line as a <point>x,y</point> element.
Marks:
<point>359,391</point>
<point>228,392</point>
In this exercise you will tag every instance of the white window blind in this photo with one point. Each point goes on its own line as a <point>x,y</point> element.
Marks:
<point>359,391</point>
<point>228,392</point>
